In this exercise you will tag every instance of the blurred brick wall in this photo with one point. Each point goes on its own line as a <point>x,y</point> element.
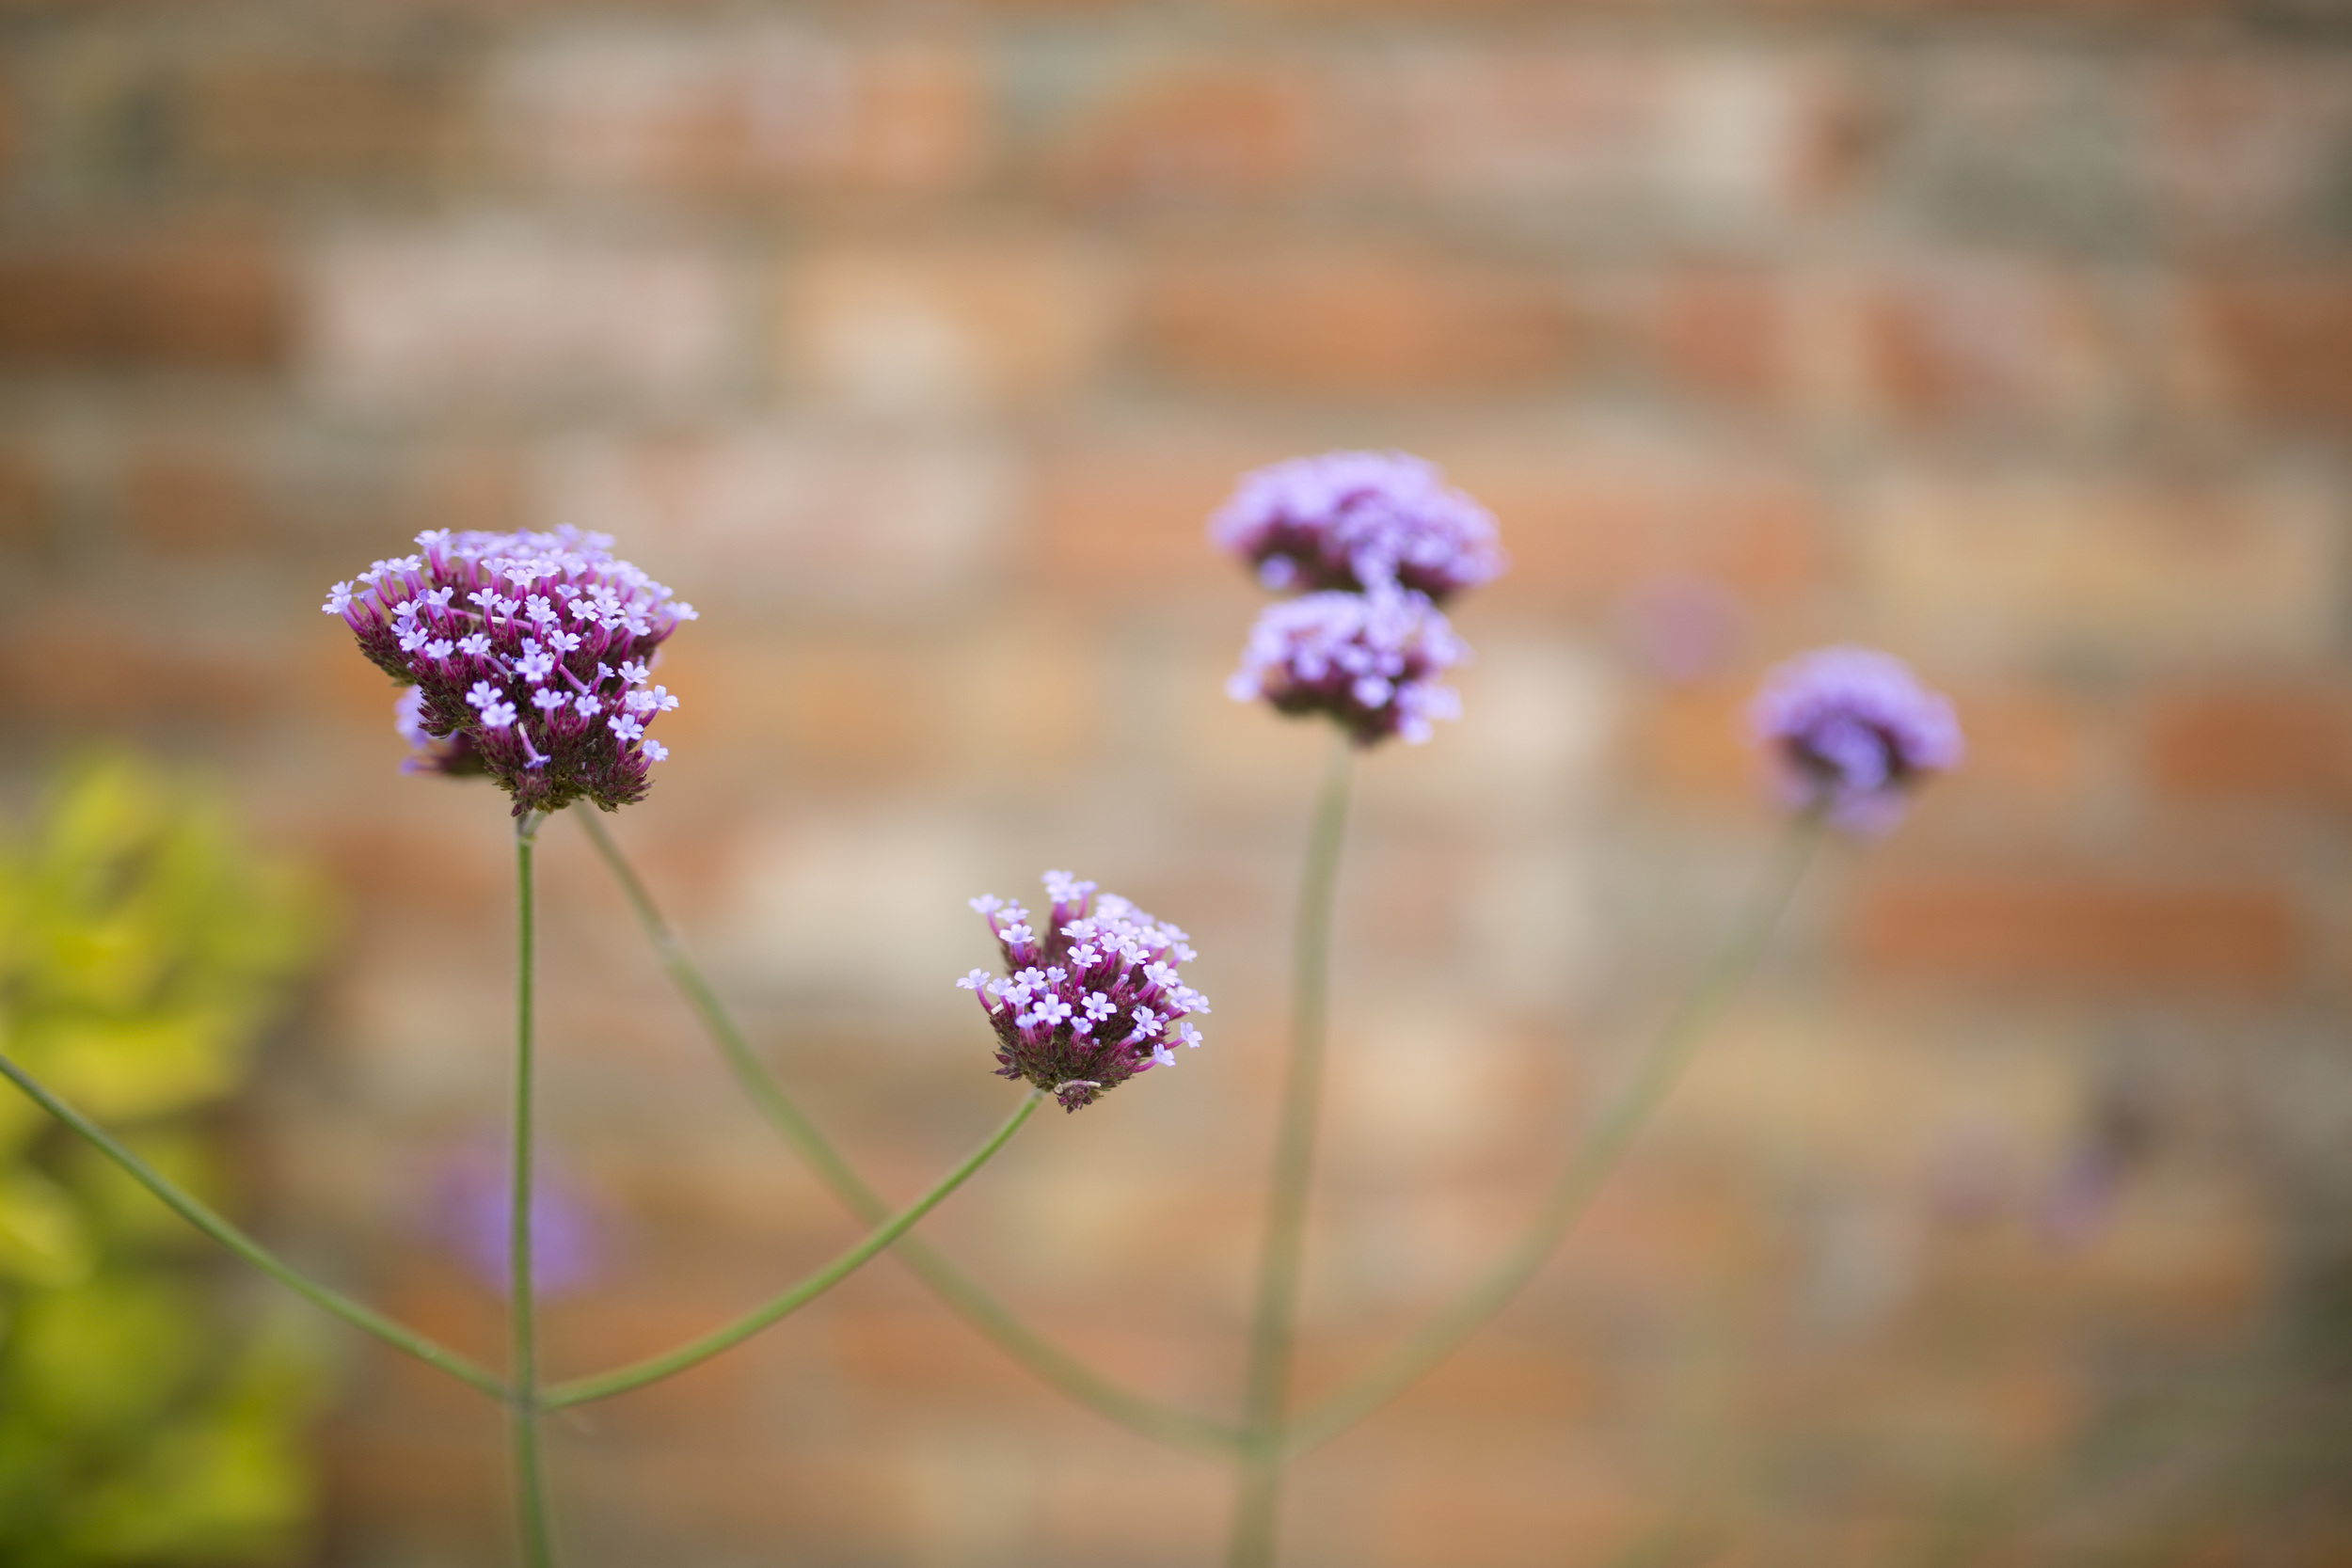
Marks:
<point>914,343</point>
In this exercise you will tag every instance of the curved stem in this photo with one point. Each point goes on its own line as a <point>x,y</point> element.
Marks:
<point>201,1217</point>
<point>530,1504</point>
<point>1603,1145</point>
<point>1266,1384</point>
<point>963,1294</point>
<point>654,1368</point>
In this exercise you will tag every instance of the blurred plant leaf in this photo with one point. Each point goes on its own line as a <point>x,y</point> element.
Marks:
<point>103,1355</point>
<point>43,1239</point>
<point>143,1418</point>
<point>131,1069</point>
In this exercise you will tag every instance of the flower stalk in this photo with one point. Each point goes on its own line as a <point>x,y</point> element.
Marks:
<point>1266,1380</point>
<point>208,1220</point>
<point>654,1368</point>
<point>958,1291</point>
<point>1596,1156</point>
<point>523,1411</point>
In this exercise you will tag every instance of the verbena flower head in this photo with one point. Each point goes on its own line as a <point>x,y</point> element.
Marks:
<point>1357,520</point>
<point>1371,662</point>
<point>1089,1001</point>
<point>1852,730</point>
<point>530,655</point>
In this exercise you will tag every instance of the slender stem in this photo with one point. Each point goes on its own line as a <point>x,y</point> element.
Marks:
<point>197,1214</point>
<point>1266,1383</point>
<point>530,1503</point>
<point>963,1295</point>
<point>654,1368</point>
<point>1598,1154</point>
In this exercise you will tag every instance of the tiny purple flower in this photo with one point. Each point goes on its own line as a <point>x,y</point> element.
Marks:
<point>1100,958</point>
<point>1371,662</point>
<point>1359,521</point>
<point>1851,730</point>
<point>479,676</point>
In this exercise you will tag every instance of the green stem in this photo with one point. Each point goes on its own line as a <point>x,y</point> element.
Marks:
<point>530,1503</point>
<point>1603,1145</point>
<point>1266,1383</point>
<point>963,1295</point>
<point>245,1246</point>
<point>654,1368</point>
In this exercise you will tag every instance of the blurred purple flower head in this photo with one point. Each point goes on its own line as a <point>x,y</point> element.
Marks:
<point>1359,521</point>
<point>528,655</point>
<point>1851,730</point>
<point>2081,1199</point>
<point>1680,629</point>
<point>1090,1002</point>
<point>470,1218</point>
<point>1373,661</point>
<point>453,755</point>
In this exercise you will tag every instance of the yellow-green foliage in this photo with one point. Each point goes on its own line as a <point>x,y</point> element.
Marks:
<point>151,1403</point>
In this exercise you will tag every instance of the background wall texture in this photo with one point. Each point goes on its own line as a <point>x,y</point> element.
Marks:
<point>2010,1217</point>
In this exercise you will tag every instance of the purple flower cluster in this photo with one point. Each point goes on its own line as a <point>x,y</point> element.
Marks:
<point>530,656</point>
<point>1370,660</point>
<point>1852,729</point>
<point>1358,521</point>
<point>1094,1001</point>
<point>1373,541</point>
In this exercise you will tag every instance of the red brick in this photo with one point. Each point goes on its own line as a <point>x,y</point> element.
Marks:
<point>2075,932</point>
<point>1132,516</point>
<point>2283,345</point>
<point>2038,560</point>
<point>185,498</point>
<point>11,129</point>
<point>285,118</point>
<point>156,301</point>
<point>1225,129</point>
<point>98,671</point>
<point>814,514</point>
<point>1588,525</point>
<point>2023,743</point>
<point>1721,335</point>
<point>25,502</point>
<point>1499,1509</point>
<point>734,113</point>
<point>1690,743</point>
<point>946,324</point>
<point>1713,137</point>
<point>497,314</point>
<point>1356,324</point>
<point>913,1354</point>
<point>402,866</point>
<point>2281,744</point>
<point>860,707</point>
<point>2241,147</point>
<point>1982,343</point>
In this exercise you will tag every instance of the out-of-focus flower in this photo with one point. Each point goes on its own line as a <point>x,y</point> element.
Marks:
<point>1852,730</point>
<point>530,654</point>
<point>1680,629</point>
<point>471,1217</point>
<point>1371,662</point>
<point>1359,521</point>
<point>453,755</point>
<point>1091,1001</point>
